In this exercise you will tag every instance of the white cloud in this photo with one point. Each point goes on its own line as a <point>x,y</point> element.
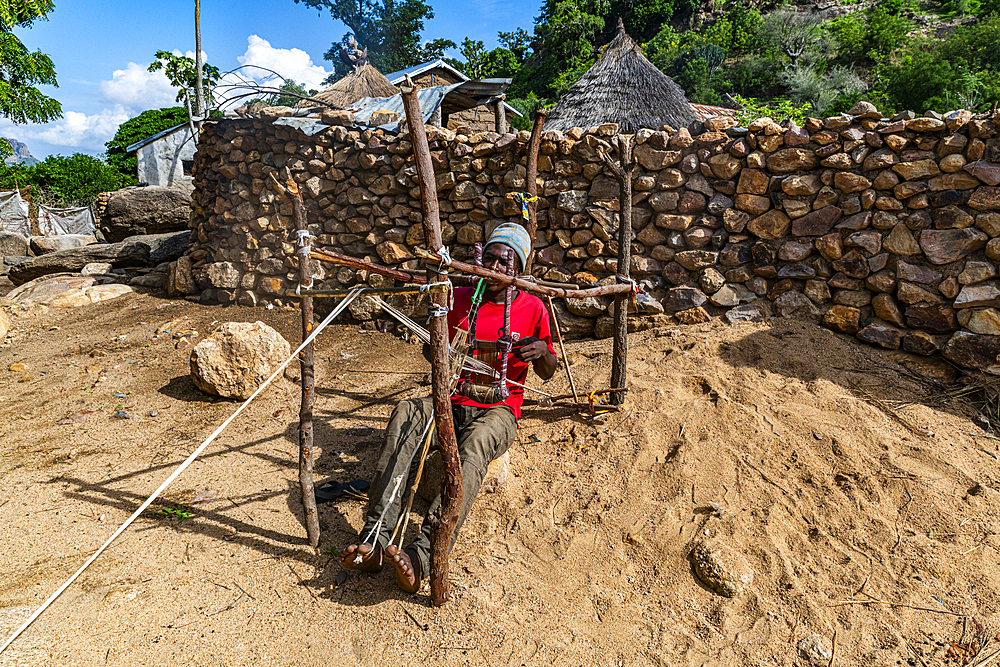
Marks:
<point>75,130</point>
<point>290,63</point>
<point>135,87</point>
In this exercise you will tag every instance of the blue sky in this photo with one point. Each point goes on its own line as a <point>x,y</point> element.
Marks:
<point>101,51</point>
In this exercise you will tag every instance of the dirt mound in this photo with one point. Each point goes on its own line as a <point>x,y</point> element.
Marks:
<point>839,474</point>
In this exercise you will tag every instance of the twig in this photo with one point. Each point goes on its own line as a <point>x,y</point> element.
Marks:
<point>243,591</point>
<point>422,626</point>
<point>909,499</point>
<point>231,605</point>
<point>874,600</point>
<point>918,656</point>
<point>302,581</point>
<point>833,651</point>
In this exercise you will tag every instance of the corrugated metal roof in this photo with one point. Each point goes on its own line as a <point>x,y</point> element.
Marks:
<point>456,97</point>
<point>706,111</point>
<point>397,78</point>
<point>148,140</point>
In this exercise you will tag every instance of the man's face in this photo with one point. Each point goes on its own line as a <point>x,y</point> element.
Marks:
<point>495,259</point>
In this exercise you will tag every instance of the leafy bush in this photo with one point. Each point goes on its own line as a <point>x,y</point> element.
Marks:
<point>977,45</point>
<point>919,81</point>
<point>754,75</point>
<point>64,181</point>
<point>818,90</point>
<point>851,32</point>
<point>887,29</point>
<point>526,106</point>
<point>779,111</point>
<point>735,30</point>
<point>988,7</point>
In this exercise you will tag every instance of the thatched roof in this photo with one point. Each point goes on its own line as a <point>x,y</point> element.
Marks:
<point>365,81</point>
<point>622,87</point>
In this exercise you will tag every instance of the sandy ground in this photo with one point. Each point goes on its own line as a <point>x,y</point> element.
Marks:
<point>838,473</point>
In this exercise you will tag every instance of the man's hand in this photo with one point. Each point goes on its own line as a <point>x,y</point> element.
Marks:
<point>529,349</point>
<point>534,350</point>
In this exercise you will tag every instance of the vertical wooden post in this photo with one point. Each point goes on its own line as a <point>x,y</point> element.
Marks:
<point>452,487</point>
<point>307,370</point>
<point>623,174</point>
<point>532,182</point>
<point>499,116</point>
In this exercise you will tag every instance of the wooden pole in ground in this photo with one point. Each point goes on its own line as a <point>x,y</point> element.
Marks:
<point>622,171</point>
<point>562,348</point>
<point>307,370</point>
<point>532,182</point>
<point>452,488</point>
<point>499,115</point>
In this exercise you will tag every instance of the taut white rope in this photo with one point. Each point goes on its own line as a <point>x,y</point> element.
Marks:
<point>176,473</point>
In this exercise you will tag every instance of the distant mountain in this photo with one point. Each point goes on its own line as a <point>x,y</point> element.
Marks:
<point>21,154</point>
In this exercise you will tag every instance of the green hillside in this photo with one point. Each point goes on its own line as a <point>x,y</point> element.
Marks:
<point>898,54</point>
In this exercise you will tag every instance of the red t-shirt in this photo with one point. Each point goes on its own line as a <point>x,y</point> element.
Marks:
<point>528,317</point>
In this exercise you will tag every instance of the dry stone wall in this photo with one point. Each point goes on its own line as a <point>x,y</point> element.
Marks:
<point>885,229</point>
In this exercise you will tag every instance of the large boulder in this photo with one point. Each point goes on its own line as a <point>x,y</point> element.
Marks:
<point>65,291</point>
<point>163,247</point>
<point>73,260</point>
<point>12,243</point>
<point>147,250</point>
<point>43,245</point>
<point>145,210</point>
<point>235,360</point>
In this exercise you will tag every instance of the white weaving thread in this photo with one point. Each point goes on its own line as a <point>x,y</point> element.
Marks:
<point>470,363</point>
<point>378,525</point>
<point>188,461</point>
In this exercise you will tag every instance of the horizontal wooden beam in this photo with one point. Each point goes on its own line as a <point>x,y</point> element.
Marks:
<point>343,260</point>
<point>437,288</point>
<point>527,286</point>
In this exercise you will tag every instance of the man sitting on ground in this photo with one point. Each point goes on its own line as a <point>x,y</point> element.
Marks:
<point>484,432</point>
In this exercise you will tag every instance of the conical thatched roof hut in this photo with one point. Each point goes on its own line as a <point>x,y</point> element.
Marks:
<point>364,81</point>
<point>622,87</point>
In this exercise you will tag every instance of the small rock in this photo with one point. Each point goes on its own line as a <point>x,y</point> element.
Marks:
<point>721,569</point>
<point>121,414</point>
<point>813,649</point>
<point>746,312</point>
<point>17,368</point>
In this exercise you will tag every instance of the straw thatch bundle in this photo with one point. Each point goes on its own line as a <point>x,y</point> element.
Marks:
<point>365,81</point>
<point>622,87</point>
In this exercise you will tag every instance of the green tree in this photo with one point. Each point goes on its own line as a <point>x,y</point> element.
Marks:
<point>389,29</point>
<point>796,36</point>
<point>64,181</point>
<point>298,92</point>
<point>501,62</point>
<point>22,70</point>
<point>182,73</point>
<point>476,58</point>
<point>136,129</point>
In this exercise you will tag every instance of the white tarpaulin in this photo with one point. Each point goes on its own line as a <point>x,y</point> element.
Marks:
<point>55,221</point>
<point>14,214</point>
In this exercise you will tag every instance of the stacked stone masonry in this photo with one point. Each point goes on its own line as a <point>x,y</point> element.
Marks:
<point>885,229</point>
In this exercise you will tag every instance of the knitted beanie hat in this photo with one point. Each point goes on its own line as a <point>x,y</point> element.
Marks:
<point>515,237</point>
